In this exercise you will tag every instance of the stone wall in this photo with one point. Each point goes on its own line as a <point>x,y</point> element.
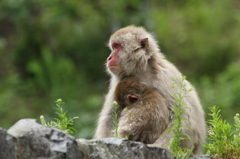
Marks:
<point>28,139</point>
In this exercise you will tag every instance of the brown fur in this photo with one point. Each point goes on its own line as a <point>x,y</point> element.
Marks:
<point>146,118</point>
<point>150,67</point>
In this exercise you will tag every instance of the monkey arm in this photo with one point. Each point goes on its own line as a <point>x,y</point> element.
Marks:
<point>144,122</point>
<point>189,127</point>
<point>105,124</point>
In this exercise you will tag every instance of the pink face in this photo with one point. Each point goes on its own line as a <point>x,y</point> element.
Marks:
<point>112,60</point>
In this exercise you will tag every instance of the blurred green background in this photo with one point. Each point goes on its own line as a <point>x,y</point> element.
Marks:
<point>52,49</point>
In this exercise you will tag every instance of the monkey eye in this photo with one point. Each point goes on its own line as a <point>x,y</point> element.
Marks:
<point>116,45</point>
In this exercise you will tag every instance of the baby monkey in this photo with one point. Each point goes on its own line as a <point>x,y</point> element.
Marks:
<point>143,111</point>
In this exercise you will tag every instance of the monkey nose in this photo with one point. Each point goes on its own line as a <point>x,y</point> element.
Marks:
<point>109,58</point>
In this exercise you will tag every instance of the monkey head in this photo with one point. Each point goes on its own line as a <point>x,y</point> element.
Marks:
<point>129,91</point>
<point>131,48</point>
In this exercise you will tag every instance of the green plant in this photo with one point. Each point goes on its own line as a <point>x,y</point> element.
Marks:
<point>62,122</point>
<point>224,90</point>
<point>178,116</point>
<point>115,118</point>
<point>224,139</point>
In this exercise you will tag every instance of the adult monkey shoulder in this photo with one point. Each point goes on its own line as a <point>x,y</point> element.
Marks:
<point>136,53</point>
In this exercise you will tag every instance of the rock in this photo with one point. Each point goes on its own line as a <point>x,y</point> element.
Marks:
<point>202,157</point>
<point>28,139</point>
<point>24,126</point>
<point>120,149</point>
<point>7,145</point>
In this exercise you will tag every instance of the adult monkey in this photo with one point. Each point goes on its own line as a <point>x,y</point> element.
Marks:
<point>136,53</point>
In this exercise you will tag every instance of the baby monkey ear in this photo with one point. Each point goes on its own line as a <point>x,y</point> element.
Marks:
<point>132,98</point>
<point>144,43</point>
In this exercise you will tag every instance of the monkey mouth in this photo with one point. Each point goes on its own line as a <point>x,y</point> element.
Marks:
<point>113,67</point>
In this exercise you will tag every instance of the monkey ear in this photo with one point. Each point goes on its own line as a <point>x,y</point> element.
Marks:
<point>144,43</point>
<point>132,98</point>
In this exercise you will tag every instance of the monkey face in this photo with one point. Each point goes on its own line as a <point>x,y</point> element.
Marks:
<point>130,51</point>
